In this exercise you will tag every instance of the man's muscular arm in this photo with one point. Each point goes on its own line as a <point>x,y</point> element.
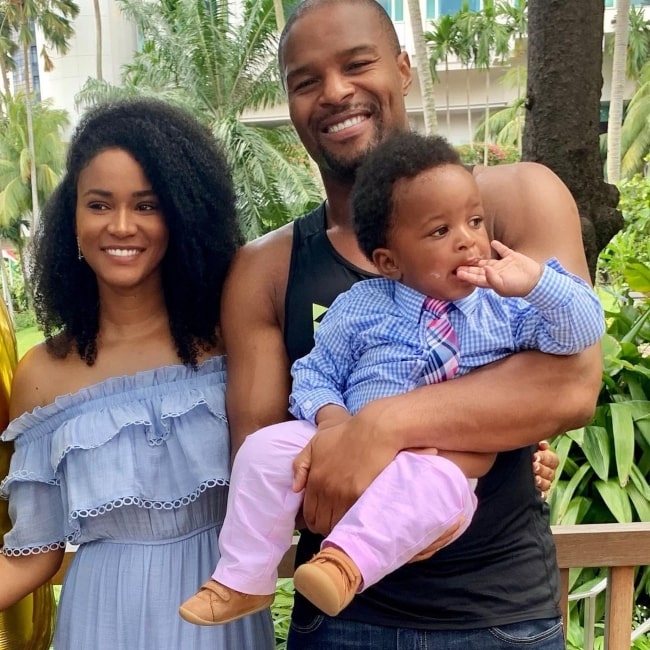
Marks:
<point>508,404</point>
<point>258,381</point>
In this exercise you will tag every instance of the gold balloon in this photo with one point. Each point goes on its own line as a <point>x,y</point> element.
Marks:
<point>28,625</point>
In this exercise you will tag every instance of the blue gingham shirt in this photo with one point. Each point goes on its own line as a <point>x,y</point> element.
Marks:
<point>372,342</point>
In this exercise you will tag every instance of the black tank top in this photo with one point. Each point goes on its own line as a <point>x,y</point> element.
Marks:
<point>313,258</point>
<point>503,569</point>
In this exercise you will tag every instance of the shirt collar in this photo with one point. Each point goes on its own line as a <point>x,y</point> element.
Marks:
<point>468,304</point>
<point>411,302</point>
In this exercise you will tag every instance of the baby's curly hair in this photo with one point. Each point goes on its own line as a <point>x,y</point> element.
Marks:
<point>401,155</point>
<point>189,174</point>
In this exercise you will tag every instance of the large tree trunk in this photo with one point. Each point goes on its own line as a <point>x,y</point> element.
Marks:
<point>563,102</point>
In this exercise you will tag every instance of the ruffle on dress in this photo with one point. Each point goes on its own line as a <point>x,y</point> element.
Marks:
<point>157,439</point>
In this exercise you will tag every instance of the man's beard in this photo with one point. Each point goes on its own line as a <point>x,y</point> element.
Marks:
<point>345,169</point>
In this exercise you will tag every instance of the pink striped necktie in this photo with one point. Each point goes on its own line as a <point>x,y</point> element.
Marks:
<point>442,362</point>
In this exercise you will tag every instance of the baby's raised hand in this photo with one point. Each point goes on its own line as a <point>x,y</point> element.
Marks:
<point>514,274</point>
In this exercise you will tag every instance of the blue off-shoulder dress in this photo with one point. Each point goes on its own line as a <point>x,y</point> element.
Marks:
<point>135,470</point>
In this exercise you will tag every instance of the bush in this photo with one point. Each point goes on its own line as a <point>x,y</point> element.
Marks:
<point>602,477</point>
<point>630,247</point>
<point>24,319</point>
<point>497,154</point>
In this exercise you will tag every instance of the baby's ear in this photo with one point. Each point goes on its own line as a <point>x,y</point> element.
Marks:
<point>386,264</point>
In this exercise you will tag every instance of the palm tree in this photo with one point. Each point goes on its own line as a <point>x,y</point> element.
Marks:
<point>442,42</point>
<point>638,45</point>
<point>54,19</point>
<point>632,134</point>
<point>196,55</point>
<point>8,51</point>
<point>15,190</point>
<point>15,169</point>
<point>516,22</point>
<point>465,48</point>
<point>506,126</point>
<point>616,98</point>
<point>492,40</point>
<point>424,71</point>
<point>635,133</point>
<point>278,7</point>
<point>98,40</point>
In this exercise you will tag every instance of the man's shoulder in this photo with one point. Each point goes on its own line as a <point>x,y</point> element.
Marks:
<point>508,187</point>
<point>265,255</point>
<point>517,199</point>
<point>270,252</point>
<point>270,241</point>
<point>259,275</point>
<point>509,172</point>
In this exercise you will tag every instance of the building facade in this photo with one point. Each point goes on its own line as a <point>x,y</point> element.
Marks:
<point>119,42</point>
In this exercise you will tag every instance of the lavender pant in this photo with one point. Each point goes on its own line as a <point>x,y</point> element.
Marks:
<point>408,506</point>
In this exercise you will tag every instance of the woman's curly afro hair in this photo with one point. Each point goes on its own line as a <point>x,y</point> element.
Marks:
<point>189,174</point>
<point>401,155</point>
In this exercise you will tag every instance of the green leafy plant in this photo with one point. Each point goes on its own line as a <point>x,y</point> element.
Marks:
<point>281,611</point>
<point>604,465</point>
<point>628,252</point>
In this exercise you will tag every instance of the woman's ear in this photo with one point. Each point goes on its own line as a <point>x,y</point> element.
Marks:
<point>386,264</point>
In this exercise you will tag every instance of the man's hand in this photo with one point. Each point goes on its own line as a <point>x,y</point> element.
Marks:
<point>341,461</point>
<point>328,416</point>
<point>545,462</point>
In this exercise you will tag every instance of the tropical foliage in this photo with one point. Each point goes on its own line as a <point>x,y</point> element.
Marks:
<point>498,34</point>
<point>8,49</point>
<point>15,170</point>
<point>54,19</point>
<point>635,132</point>
<point>480,39</point>
<point>20,178</point>
<point>604,466</point>
<point>197,55</point>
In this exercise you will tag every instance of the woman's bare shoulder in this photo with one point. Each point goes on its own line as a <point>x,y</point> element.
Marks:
<point>34,380</point>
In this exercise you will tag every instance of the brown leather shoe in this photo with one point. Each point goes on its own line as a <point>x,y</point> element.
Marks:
<point>329,580</point>
<point>216,604</point>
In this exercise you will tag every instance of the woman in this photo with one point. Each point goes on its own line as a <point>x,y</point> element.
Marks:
<point>120,433</point>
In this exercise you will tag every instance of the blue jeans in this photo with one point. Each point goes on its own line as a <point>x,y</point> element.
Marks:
<point>325,633</point>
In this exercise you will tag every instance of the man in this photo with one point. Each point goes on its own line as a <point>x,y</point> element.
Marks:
<point>346,79</point>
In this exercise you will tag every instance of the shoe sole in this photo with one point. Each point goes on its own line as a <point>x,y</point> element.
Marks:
<point>316,586</point>
<point>190,617</point>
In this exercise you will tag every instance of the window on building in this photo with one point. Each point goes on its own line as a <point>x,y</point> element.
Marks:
<point>438,8</point>
<point>394,8</point>
<point>635,3</point>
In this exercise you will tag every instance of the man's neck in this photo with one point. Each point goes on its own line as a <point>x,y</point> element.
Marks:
<point>338,214</point>
<point>338,204</point>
